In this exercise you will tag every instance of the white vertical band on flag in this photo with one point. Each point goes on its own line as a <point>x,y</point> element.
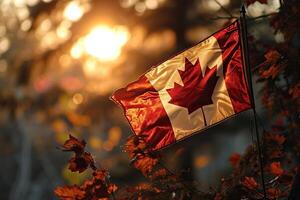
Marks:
<point>166,74</point>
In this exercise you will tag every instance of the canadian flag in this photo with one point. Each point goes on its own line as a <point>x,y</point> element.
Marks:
<point>190,92</point>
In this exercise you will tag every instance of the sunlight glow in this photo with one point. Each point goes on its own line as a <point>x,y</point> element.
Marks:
<point>105,43</point>
<point>73,11</point>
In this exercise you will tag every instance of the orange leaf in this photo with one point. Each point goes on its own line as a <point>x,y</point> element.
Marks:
<point>111,188</point>
<point>273,193</point>
<point>69,193</point>
<point>272,56</point>
<point>81,162</point>
<point>278,138</point>
<point>161,173</point>
<point>100,175</point>
<point>145,164</point>
<point>234,159</point>
<point>295,91</point>
<point>250,183</point>
<point>275,168</point>
<point>73,144</point>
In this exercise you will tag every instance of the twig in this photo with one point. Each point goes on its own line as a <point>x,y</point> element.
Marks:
<point>143,153</point>
<point>250,18</point>
<point>223,8</point>
<point>262,16</point>
<point>191,189</point>
<point>223,17</point>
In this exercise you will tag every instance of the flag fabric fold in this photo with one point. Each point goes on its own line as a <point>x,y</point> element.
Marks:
<point>189,92</point>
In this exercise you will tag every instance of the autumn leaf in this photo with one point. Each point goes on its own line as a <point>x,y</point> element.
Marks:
<point>81,162</point>
<point>161,173</point>
<point>272,72</point>
<point>295,91</point>
<point>273,193</point>
<point>275,153</point>
<point>234,159</point>
<point>73,144</point>
<point>197,88</point>
<point>135,145</point>
<point>69,193</point>
<point>100,175</point>
<point>272,56</point>
<point>112,188</point>
<point>94,188</point>
<point>273,65</point>
<point>277,138</point>
<point>145,164</point>
<point>275,168</point>
<point>140,155</point>
<point>250,183</point>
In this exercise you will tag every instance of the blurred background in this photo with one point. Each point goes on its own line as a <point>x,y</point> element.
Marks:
<point>61,60</point>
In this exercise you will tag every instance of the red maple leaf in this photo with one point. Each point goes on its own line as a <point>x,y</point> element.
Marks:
<point>275,168</point>
<point>197,88</point>
<point>250,183</point>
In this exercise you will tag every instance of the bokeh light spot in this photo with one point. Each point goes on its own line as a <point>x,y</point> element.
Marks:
<point>151,4</point>
<point>105,43</point>
<point>73,11</point>
<point>4,44</point>
<point>25,26</point>
<point>3,66</point>
<point>201,161</point>
<point>77,98</point>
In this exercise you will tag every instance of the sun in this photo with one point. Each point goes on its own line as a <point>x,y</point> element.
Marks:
<point>105,43</point>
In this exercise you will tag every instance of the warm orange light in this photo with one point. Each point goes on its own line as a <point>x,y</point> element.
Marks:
<point>105,43</point>
<point>73,11</point>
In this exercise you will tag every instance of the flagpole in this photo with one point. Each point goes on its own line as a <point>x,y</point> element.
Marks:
<point>246,64</point>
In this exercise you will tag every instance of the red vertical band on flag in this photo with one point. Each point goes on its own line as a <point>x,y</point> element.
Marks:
<point>229,42</point>
<point>145,113</point>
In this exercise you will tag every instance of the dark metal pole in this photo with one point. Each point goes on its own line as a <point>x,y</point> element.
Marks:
<point>246,64</point>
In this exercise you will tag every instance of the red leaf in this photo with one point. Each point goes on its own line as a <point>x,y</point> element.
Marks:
<point>272,56</point>
<point>234,159</point>
<point>250,183</point>
<point>141,158</point>
<point>112,188</point>
<point>278,138</point>
<point>73,144</point>
<point>295,92</point>
<point>275,168</point>
<point>274,66</point>
<point>69,193</point>
<point>81,162</point>
<point>100,175</point>
<point>197,88</point>
<point>273,193</point>
<point>161,173</point>
<point>145,164</point>
<point>98,187</point>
